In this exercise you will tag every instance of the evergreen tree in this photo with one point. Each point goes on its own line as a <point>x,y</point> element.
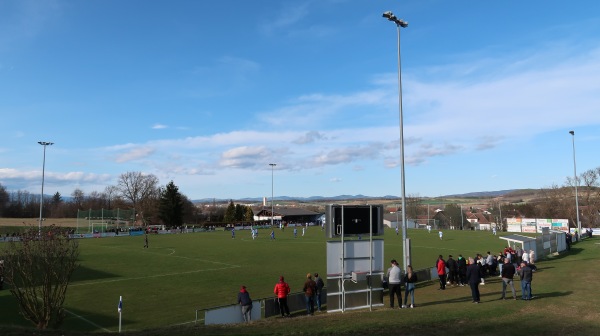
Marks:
<point>171,206</point>
<point>230,213</point>
<point>240,211</point>
<point>249,215</point>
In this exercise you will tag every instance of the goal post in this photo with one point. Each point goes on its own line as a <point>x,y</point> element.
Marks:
<point>103,220</point>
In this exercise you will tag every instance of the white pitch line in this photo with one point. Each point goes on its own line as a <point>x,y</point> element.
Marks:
<point>184,323</point>
<point>86,320</point>
<point>175,256</point>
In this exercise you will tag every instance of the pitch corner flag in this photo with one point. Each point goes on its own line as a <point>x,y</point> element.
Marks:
<point>119,309</point>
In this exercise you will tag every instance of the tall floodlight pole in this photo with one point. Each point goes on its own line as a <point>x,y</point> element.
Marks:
<point>43,143</point>
<point>575,177</point>
<point>401,24</point>
<point>272,208</point>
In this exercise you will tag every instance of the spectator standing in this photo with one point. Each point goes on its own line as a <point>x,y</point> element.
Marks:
<point>410,281</point>
<point>525,256</point>
<point>519,253</point>
<point>500,260</point>
<point>320,284</point>
<point>441,271</point>
<point>481,263</point>
<point>532,257</point>
<point>507,274</point>
<point>246,303</point>
<point>395,283</point>
<point>489,264</point>
<point>310,289</point>
<point>462,270</point>
<point>526,275</point>
<point>282,290</point>
<point>1,274</point>
<point>452,270</point>
<point>473,276</point>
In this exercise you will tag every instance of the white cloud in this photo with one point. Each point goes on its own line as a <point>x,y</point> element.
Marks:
<point>135,154</point>
<point>288,15</point>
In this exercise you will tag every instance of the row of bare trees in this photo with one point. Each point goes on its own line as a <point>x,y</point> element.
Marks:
<point>136,190</point>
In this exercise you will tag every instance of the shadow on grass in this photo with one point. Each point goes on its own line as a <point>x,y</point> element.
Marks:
<point>83,273</point>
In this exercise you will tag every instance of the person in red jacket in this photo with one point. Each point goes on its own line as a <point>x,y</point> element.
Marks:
<point>441,271</point>
<point>282,289</point>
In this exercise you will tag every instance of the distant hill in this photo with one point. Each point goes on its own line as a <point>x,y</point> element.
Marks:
<point>484,194</point>
<point>292,198</point>
<point>480,194</point>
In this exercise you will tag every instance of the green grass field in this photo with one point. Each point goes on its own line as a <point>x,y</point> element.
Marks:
<point>163,285</point>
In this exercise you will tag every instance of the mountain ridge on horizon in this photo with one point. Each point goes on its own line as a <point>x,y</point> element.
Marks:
<point>353,197</point>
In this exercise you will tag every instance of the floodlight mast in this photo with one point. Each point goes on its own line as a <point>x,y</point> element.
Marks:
<point>405,245</point>
<point>43,143</point>
<point>272,208</point>
<point>576,183</point>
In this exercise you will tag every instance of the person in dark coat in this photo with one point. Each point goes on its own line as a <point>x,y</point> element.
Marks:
<point>246,302</point>
<point>462,270</point>
<point>526,275</point>
<point>320,284</point>
<point>452,270</point>
<point>474,277</point>
<point>508,272</point>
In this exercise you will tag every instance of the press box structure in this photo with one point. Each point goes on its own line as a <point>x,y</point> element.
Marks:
<point>355,266</point>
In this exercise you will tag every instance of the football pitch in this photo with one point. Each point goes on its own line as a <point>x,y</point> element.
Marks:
<point>164,284</point>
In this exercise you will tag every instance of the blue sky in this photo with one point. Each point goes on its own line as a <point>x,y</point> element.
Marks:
<point>208,93</point>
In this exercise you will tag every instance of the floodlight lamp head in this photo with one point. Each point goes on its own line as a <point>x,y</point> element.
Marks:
<point>572,132</point>
<point>390,16</point>
<point>402,23</point>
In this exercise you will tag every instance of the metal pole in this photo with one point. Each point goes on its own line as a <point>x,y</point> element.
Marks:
<point>401,24</point>
<point>576,195</point>
<point>43,143</point>
<point>272,208</point>
<point>500,208</point>
<point>462,219</point>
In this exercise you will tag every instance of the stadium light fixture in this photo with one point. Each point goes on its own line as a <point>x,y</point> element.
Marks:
<point>45,144</point>
<point>406,253</point>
